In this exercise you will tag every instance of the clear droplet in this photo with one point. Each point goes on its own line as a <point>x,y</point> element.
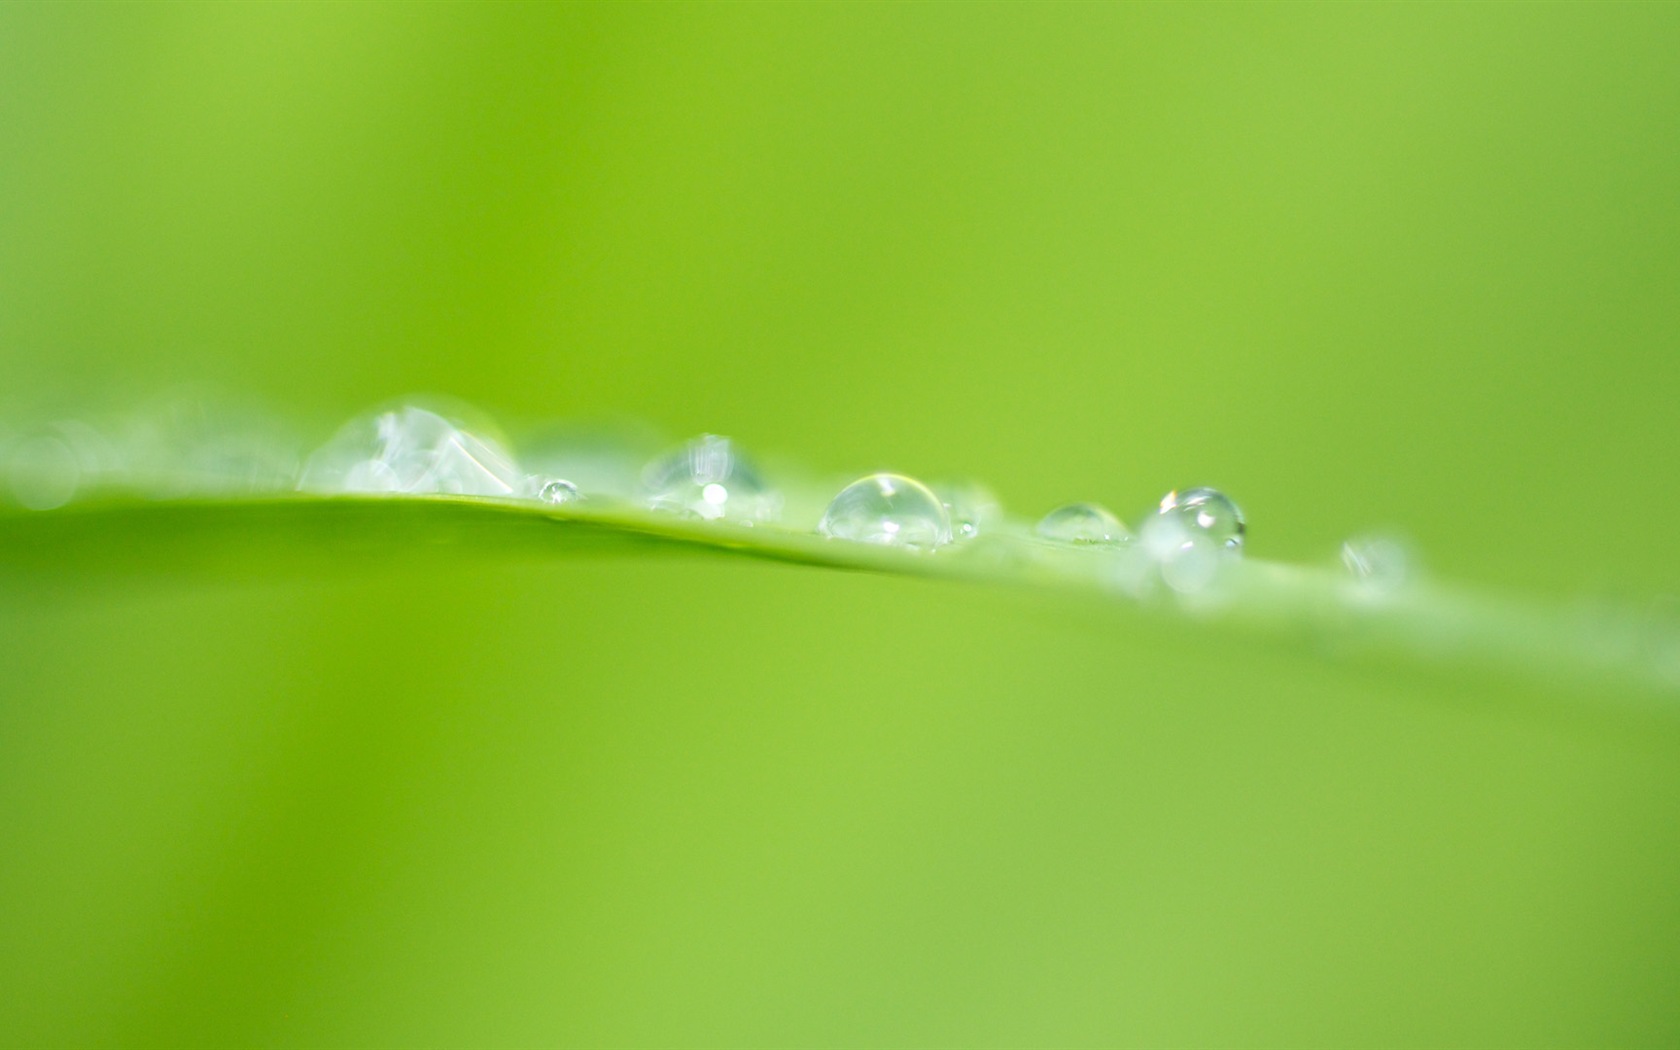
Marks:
<point>414,451</point>
<point>709,478</point>
<point>557,491</point>
<point>888,509</point>
<point>1208,513</point>
<point>1083,523</point>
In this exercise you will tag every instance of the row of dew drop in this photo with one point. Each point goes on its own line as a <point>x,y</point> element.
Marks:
<point>1184,543</point>
<point>415,451</point>
<point>426,449</point>
<point>1187,547</point>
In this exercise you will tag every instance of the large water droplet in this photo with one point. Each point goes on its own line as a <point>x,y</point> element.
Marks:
<point>1083,523</point>
<point>412,450</point>
<point>888,509</point>
<point>1208,513</point>
<point>709,478</point>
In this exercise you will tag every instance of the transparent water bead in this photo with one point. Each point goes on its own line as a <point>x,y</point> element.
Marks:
<point>1083,523</point>
<point>415,451</point>
<point>888,509</point>
<point>1207,513</point>
<point>709,478</point>
<point>556,491</point>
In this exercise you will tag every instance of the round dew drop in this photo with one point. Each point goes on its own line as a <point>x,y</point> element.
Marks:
<point>1208,514</point>
<point>888,509</point>
<point>1083,523</point>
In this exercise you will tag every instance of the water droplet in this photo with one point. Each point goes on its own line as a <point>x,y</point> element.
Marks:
<point>1208,513</point>
<point>709,478</point>
<point>1083,523</point>
<point>1379,563</point>
<point>888,509</point>
<point>412,450</point>
<point>557,491</point>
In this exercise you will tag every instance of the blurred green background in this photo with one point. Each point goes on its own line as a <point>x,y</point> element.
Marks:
<point>1361,266</point>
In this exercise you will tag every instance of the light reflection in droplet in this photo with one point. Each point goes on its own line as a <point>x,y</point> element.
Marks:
<point>1209,511</point>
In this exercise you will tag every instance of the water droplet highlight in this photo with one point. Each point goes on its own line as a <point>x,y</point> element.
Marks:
<point>888,509</point>
<point>709,478</point>
<point>1083,523</point>
<point>1208,513</point>
<point>411,450</point>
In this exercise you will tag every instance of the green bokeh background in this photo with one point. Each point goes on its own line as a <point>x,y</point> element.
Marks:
<point>1379,266</point>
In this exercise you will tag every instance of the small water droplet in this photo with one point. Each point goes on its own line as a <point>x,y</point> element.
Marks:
<point>1083,523</point>
<point>709,478</point>
<point>888,509</point>
<point>1208,513</point>
<point>415,451</point>
<point>557,491</point>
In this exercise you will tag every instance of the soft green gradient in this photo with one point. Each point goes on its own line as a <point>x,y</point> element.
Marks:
<point>1408,266</point>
